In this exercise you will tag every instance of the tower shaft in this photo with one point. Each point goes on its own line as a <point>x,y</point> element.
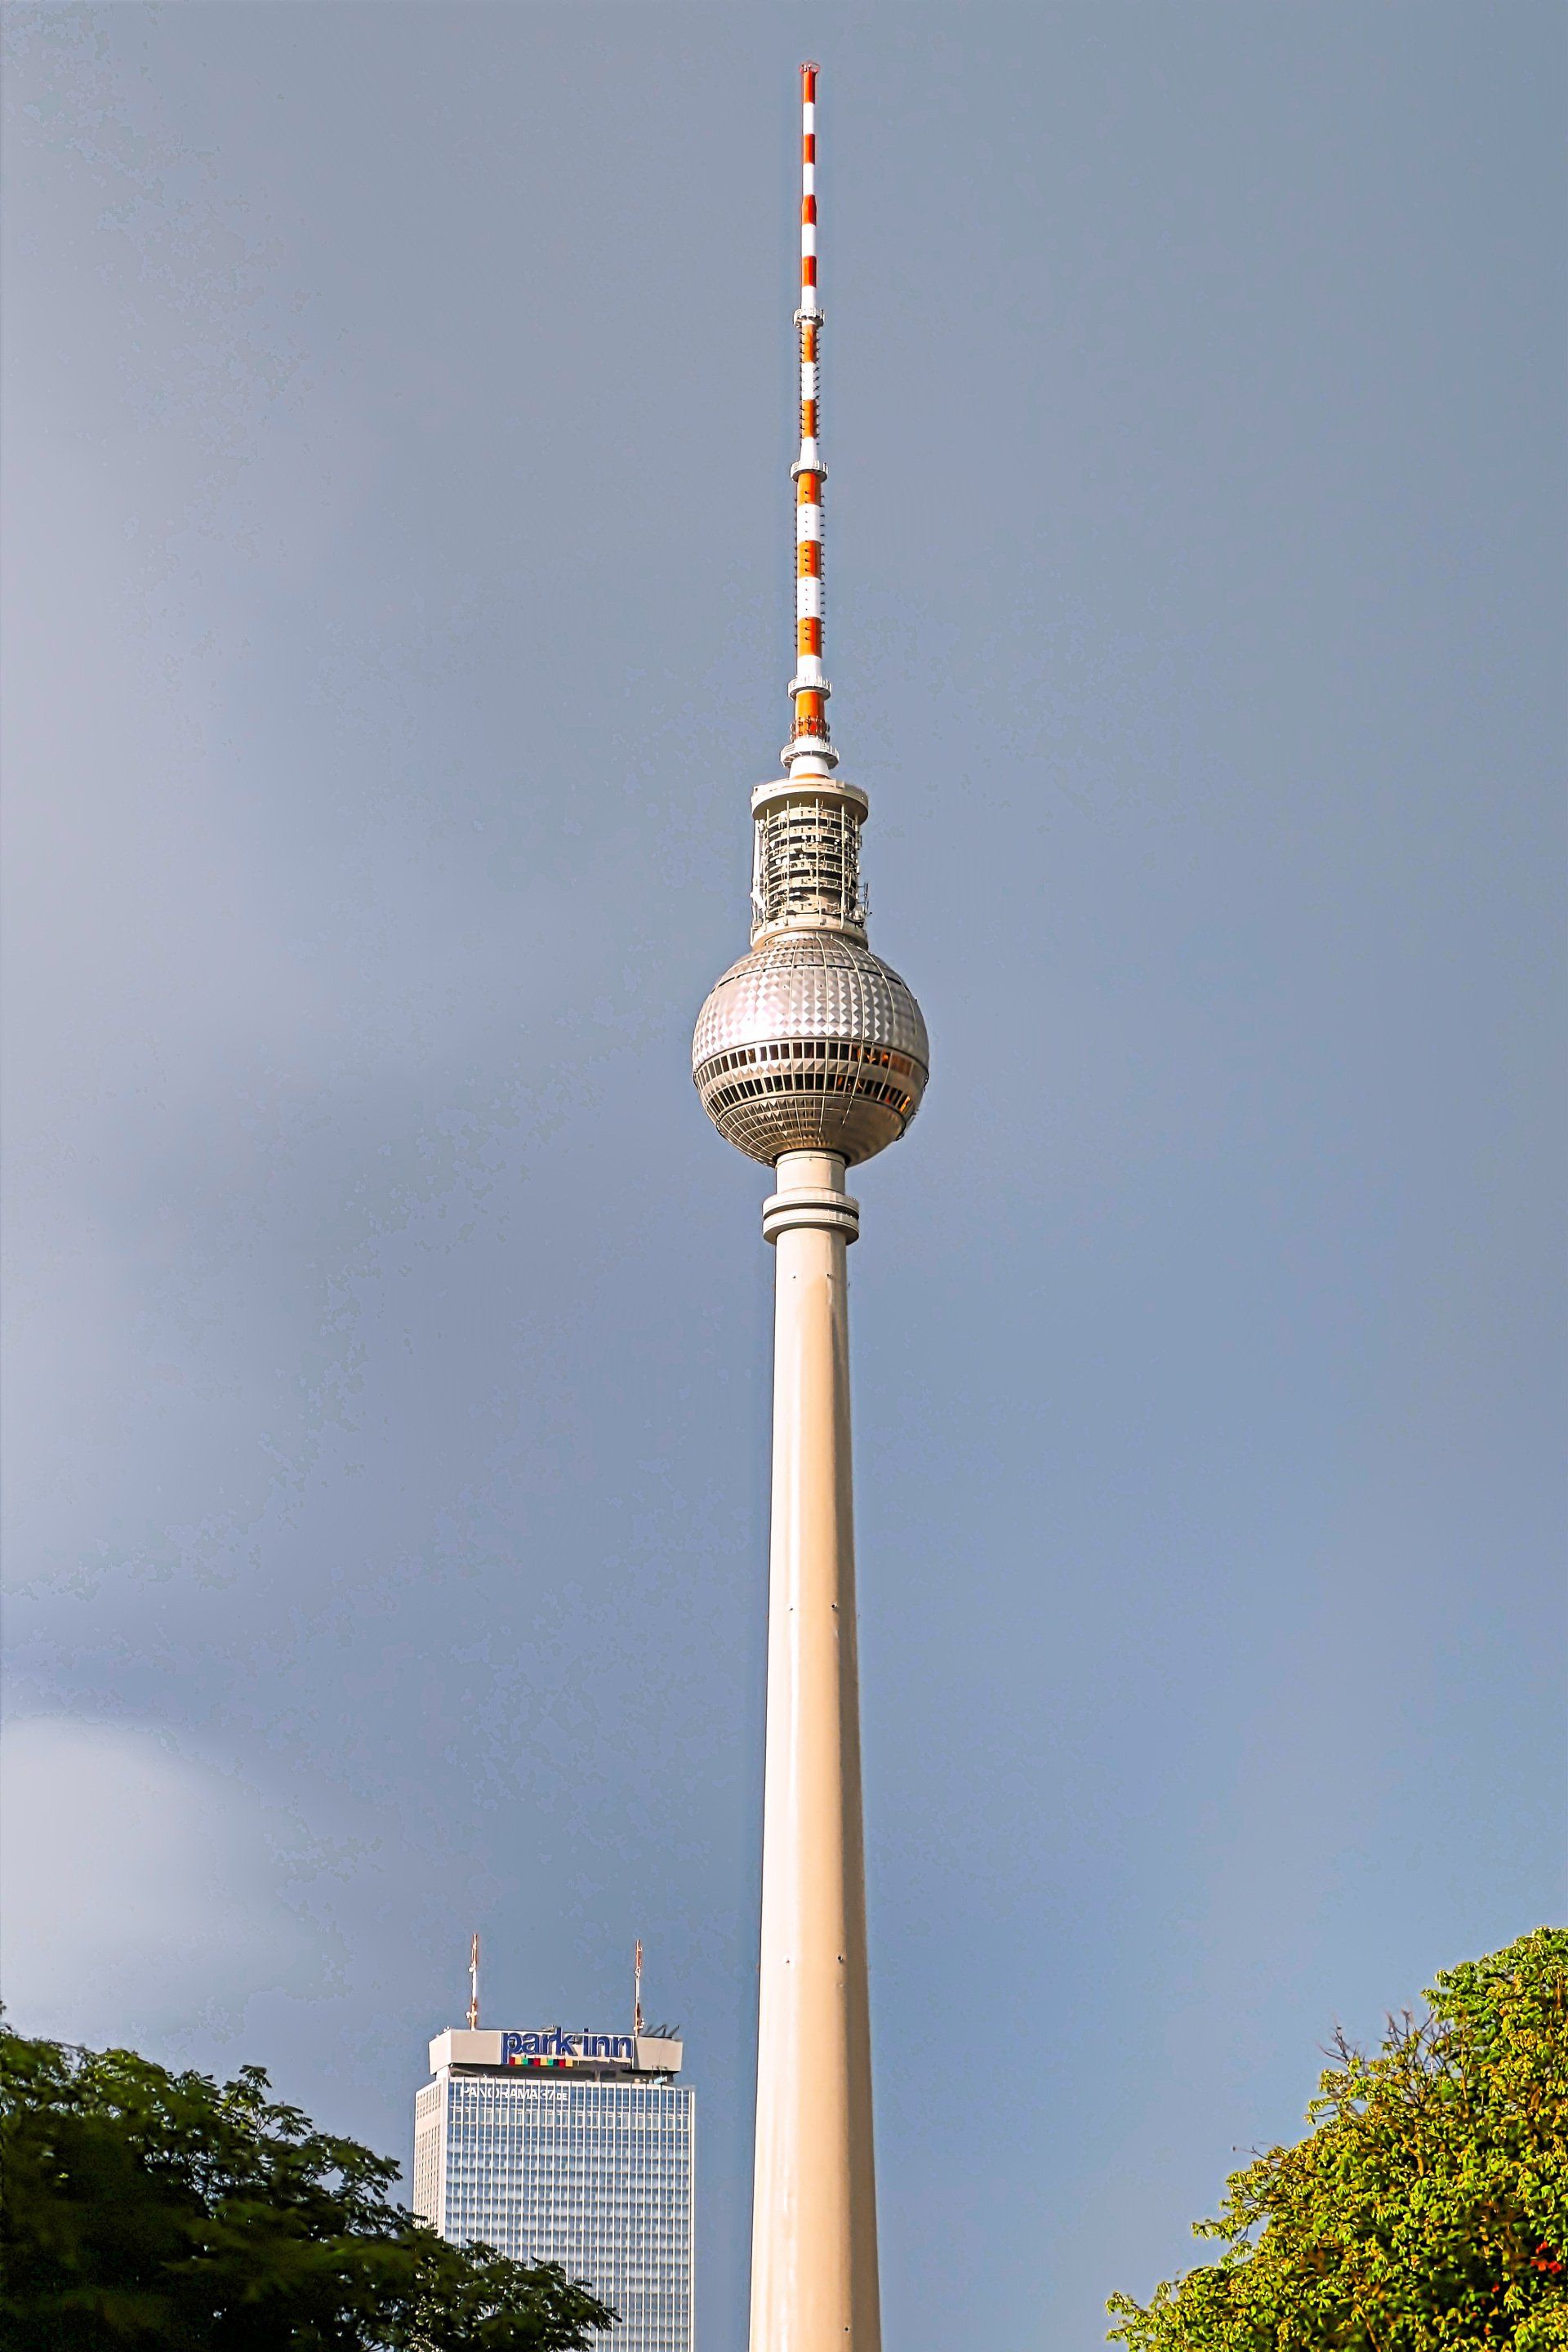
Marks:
<point>813,2237</point>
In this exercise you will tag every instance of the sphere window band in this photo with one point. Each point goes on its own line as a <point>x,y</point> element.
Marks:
<point>821,1081</point>
<point>809,1049</point>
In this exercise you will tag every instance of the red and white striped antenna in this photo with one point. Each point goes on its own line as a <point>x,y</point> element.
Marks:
<point>809,750</point>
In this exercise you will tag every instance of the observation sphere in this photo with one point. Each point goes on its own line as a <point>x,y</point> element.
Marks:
<point>810,1043</point>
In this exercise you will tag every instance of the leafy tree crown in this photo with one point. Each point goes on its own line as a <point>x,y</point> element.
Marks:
<point>1427,2208</point>
<point>168,2213</point>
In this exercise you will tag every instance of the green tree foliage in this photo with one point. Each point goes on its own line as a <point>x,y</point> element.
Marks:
<point>1427,2209</point>
<point>164,2212</point>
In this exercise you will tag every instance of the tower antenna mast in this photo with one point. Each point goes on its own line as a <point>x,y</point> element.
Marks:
<point>636,1987</point>
<point>810,742</point>
<point>474,1983</point>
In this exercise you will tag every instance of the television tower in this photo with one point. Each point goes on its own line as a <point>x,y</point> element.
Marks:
<point>810,1054</point>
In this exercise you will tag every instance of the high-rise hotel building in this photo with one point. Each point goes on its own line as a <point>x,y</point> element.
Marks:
<point>574,2148</point>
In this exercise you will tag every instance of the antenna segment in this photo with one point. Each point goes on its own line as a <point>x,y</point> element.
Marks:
<point>474,1983</point>
<point>637,1988</point>
<point>809,742</point>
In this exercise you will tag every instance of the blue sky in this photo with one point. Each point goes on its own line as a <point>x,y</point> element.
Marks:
<point>397,592</point>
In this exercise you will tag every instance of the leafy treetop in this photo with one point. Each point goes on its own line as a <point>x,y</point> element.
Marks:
<point>168,2213</point>
<point>1427,2208</point>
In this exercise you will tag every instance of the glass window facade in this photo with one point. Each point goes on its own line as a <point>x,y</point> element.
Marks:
<point>594,2175</point>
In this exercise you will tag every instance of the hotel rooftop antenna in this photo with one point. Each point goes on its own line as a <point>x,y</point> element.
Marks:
<point>809,1056</point>
<point>474,1983</point>
<point>637,1988</point>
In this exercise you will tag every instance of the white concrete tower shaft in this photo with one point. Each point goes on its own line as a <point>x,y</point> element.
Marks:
<point>814,2228</point>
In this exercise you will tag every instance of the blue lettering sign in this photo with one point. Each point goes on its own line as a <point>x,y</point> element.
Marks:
<point>518,2049</point>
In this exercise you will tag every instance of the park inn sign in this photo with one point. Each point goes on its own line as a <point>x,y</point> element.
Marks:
<point>554,2047</point>
<point>518,2049</point>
